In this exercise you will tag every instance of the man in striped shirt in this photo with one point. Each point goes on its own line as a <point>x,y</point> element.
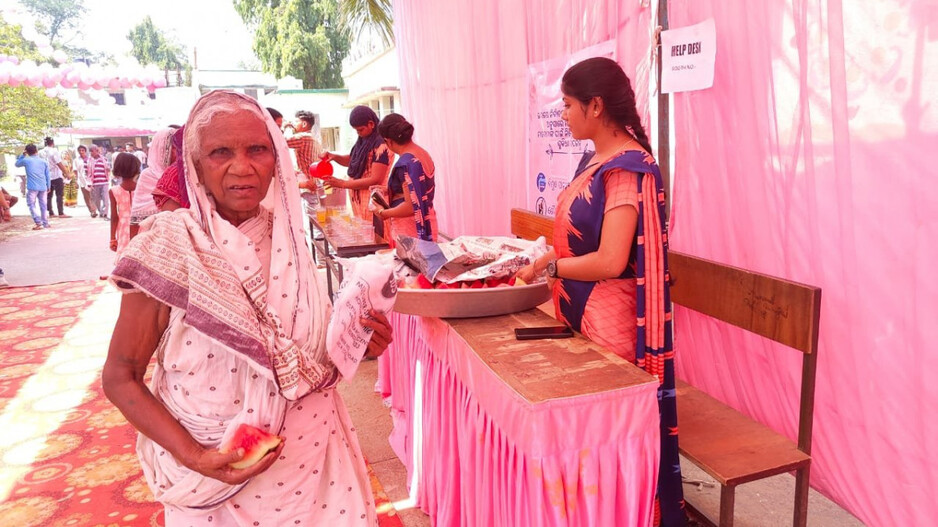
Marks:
<point>98,172</point>
<point>302,142</point>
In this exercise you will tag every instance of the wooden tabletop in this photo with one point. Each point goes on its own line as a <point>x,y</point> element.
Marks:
<point>546,369</point>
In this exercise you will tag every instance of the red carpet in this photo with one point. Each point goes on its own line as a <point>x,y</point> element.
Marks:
<point>66,454</point>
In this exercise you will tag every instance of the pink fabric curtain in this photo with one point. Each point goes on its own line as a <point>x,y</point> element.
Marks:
<point>811,158</point>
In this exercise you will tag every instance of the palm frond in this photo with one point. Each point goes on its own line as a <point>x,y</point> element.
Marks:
<point>377,15</point>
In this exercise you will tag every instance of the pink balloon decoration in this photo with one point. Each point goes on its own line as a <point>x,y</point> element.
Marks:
<point>13,82</point>
<point>82,85</point>
<point>49,82</point>
<point>160,82</point>
<point>4,76</point>
<point>114,84</point>
<point>66,82</point>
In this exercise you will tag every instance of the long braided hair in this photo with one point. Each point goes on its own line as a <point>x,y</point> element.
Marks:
<point>604,78</point>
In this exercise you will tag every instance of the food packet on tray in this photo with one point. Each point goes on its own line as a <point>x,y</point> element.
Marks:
<point>469,258</point>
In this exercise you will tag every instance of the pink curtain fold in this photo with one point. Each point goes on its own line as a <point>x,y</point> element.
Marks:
<point>489,457</point>
<point>811,158</point>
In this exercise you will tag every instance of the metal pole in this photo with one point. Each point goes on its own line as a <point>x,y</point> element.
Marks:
<point>664,128</point>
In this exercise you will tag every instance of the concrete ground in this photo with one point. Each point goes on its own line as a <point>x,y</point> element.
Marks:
<point>76,248</point>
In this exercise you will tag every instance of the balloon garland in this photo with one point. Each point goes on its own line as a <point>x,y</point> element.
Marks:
<point>69,75</point>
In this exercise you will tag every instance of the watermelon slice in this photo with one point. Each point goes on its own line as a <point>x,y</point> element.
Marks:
<point>255,442</point>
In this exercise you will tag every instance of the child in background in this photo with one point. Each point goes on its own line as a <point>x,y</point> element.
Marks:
<point>126,169</point>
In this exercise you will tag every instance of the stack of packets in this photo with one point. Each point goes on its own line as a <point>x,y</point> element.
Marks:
<point>368,285</point>
<point>469,258</point>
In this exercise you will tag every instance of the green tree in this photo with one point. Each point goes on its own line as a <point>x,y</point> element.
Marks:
<point>58,17</point>
<point>301,38</point>
<point>151,46</point>
<point>359,15</point>
<point>26,114</point>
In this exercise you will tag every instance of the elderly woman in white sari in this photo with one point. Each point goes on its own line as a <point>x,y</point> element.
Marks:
<point>226,296</point>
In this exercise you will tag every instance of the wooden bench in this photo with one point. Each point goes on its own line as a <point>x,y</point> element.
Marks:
<point>729,446</point>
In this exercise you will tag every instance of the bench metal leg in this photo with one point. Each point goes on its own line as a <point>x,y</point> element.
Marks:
<point>802,486</point>
<point>727,503</point>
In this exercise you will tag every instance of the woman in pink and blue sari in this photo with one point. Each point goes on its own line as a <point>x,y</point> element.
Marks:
<point>411,185</point>
<point>609,261</point>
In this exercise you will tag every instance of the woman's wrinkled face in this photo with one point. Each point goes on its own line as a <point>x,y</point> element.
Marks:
<point>236,163</point>
<point>365,131</point>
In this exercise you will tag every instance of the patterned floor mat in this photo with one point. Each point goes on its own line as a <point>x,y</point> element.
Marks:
<point>66,454</point>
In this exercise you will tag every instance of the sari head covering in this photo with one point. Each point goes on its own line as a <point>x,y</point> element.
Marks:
<point>364,146</point>
<point>257,297</point>
<point>172,183</point>
<point>198,261</point>
<point>158,158</point>
<point>180,173</point>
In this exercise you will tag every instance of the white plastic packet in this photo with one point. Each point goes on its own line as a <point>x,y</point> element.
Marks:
<point>368,285</point>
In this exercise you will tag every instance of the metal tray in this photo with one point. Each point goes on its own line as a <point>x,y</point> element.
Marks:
<point>469,303</point>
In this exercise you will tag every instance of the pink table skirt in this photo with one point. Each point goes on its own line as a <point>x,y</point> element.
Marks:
<point>478,453</point>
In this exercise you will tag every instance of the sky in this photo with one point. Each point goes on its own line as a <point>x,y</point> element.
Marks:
<point>213,27</point>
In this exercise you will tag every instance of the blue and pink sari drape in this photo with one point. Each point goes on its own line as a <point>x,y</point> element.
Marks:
<point>648,265</point>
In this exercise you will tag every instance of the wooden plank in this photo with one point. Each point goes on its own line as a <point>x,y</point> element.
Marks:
<point>728,445</point>
<point>529,225</point>
<point>541,370</point>
<point>781,310</point>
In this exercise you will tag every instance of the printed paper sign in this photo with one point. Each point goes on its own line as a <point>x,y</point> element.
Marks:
<point>688,55</point>
<point>553,154</point>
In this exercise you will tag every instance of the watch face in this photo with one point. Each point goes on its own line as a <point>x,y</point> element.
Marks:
<point>552,269</point>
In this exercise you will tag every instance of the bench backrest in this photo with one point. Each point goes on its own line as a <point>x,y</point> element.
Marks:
<point>781,310</point>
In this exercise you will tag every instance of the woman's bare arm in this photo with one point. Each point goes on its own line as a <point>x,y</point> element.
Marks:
<point>140,325</point>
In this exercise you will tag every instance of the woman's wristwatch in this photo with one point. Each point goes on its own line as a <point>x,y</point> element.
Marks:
<point>551,268</point>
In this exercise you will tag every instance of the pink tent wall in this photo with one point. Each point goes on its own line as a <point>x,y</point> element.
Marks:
<point>811,158</point>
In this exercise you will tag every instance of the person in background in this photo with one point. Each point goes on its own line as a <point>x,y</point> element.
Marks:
<point>170,192</point>
<point>304,145</point>
<point>37,185</point>
<point>138,153</point>
<point>81,166</point>
<point>609,257</point>
<point>3,280</point>
<point>278,117</point>
<point>238,335</point>
<point>411,185</point>
<point>126,168</point>
<point>368,163</point>
<point>98,171</point>
<point>71,179</point>
<point>6,201</point>
<point>160,157</point>
<point>57,169</point>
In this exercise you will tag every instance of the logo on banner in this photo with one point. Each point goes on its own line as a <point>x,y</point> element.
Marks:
<point>540,206</point>
<point>541,182</point>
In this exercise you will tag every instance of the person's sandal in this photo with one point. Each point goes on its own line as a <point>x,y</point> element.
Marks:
<point>37,228</point>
